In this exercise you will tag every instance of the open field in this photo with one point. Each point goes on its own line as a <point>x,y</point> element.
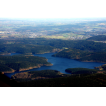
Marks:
<point>55,30</point>
<point>55,37</point>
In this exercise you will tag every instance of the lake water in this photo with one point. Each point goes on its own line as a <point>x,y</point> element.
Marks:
<point>60,64</point>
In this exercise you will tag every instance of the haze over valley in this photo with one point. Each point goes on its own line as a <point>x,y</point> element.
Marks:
<point>69,29</point>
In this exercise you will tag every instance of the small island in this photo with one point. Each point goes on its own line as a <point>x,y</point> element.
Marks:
<point>81,71</point>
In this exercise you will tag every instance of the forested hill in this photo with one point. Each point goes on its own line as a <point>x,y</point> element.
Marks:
<point>21,63</point>
<point>82,55</point>
<point>43,45</point>
<point>98,38</point>
<point>25,48</point>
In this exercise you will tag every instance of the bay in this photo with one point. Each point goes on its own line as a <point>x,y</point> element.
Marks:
<point>60,64</point>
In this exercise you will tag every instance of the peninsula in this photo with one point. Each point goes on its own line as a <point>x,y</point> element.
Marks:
<point>10,64</point>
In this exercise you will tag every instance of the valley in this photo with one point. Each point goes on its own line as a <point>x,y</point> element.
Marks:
<point>52,29</point>
<point>33,51</point>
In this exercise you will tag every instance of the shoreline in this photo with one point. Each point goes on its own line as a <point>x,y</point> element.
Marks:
<point>93,61</point>
<point>25,69</point>
<point>53,51</point>
<point>40,65</point>
<point>28,75</point>
<point>81,60</point>
<point>12,71</point>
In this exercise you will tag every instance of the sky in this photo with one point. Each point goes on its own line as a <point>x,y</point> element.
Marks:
<point>73,18</point>
<point>56,19</point>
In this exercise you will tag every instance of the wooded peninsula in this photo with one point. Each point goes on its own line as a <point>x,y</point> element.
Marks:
<point>9,64</point>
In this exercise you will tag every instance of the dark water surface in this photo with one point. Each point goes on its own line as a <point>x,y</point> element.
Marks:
<point>60,64</point>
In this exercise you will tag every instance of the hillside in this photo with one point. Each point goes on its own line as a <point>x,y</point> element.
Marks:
<point>92,80</point>
<point>21,62</point>
<point>7,82</point>
<point>81,55</point>
<point>98,38</point>
<point>25,48</point>
<point>40,45</point>
<point>36,75</point>
<point>53,78</point>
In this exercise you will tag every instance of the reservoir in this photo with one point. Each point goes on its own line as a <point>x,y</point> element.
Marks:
<point>60,64</point>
